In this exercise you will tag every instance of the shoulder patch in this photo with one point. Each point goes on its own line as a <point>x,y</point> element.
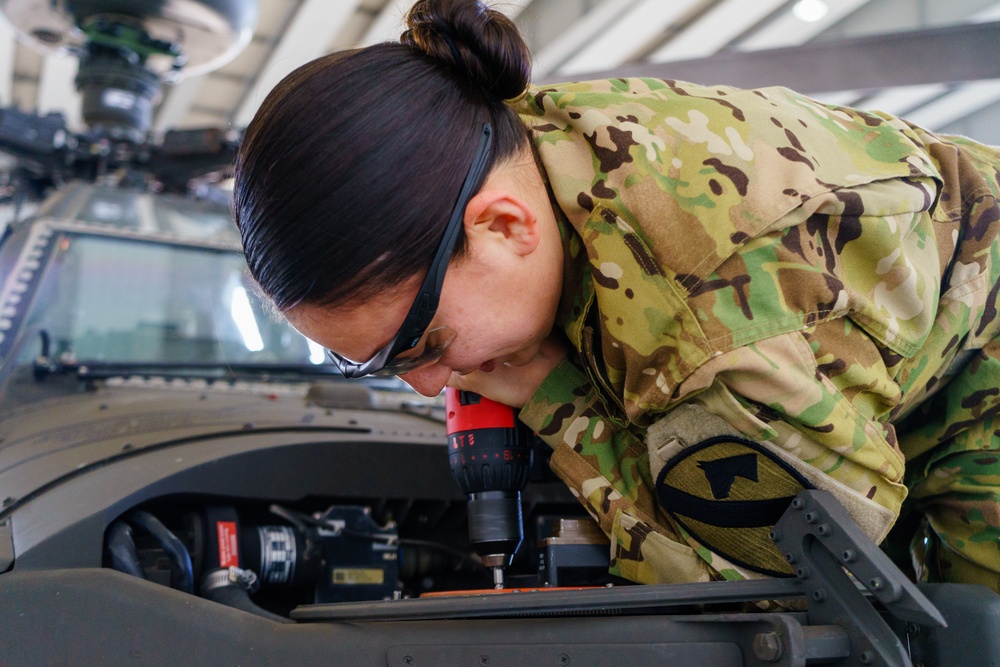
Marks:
<point>728,493</point>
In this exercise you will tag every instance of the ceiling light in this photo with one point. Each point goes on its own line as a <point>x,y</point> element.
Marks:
<point>810,10</point>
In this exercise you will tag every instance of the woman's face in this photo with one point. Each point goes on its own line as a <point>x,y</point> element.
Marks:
<point>500,298</point>
<point>500,304</point>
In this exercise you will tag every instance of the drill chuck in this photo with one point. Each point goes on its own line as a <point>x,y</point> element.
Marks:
<point>495,525</point>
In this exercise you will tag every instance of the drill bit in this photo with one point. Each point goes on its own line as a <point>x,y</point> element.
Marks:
<point>498,577</point>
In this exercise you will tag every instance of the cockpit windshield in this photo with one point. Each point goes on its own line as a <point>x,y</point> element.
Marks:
<point>119,277</point>
<point>106,299</point>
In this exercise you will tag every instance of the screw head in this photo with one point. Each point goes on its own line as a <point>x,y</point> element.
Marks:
<point>767,646</point>
<point>866,657</point>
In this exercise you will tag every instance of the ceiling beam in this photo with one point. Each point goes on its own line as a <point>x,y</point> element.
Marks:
<point>308,36</point>
<point>965,52</point>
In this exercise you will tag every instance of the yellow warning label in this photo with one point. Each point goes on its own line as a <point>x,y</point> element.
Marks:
<point>352,576</point>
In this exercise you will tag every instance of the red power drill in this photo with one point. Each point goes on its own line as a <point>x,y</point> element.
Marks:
<point>490,454</point>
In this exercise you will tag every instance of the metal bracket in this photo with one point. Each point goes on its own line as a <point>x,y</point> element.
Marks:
<point>820,540</point>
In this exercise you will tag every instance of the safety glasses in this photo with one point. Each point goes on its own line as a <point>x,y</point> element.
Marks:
<point>413,345</point>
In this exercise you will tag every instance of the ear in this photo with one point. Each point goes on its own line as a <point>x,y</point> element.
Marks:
<point>499,216</point>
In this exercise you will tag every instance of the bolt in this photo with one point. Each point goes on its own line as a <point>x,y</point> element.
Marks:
<point>912,629</point>
<point>408,659</point>
<point>484,660</point>
<point>563,659</point>
<point>849,555</point>
<point>824,530</point>
<point>876,583</point>
<point>790,557</point>
<point>819,595</point>
<point>866,657</point>
<point>811,517</point>
<point>802,573</point>
<point>774,535</point>
<point>767,646</point>
<point>798,503</point>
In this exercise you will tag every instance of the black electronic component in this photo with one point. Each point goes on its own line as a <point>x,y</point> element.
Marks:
<point>360,558</point>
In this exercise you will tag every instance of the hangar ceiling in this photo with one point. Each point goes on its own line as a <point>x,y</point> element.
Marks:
<point>950,90</point>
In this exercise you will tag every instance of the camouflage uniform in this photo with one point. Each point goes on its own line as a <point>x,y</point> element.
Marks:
<point>755,278</point>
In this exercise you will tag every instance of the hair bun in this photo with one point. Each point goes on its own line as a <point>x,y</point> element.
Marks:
<point>481,43</point>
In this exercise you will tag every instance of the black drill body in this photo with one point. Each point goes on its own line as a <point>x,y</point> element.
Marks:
<point>489,451</point>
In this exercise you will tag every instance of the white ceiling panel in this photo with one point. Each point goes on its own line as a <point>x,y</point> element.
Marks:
<point>8,47</point>
<point>899,101</point>
<point>27,62</point>
<point>25,93</point>
<point>307,36</point>
<point>177,101</point>
<point>841,98</point>
<point>788,29</point>
<point>949,108</point>
<point>57,92</point>
<point>579,33</point>
<point>197,118</point>
<point>628,36</point>
<point>388,24</point>
<point>273,17</point>
<point>715,29</point>
<point>249,62</point>
<point>220,93</point>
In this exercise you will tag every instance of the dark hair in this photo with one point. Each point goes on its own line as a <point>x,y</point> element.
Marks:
<point>348,173</point>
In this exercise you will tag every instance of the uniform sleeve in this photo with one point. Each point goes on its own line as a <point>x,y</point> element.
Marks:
<point>826,429</point>
<point>612,469</point>
<point>605,465</point>
<point>816,399</point>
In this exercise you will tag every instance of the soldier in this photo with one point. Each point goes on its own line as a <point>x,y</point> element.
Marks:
<point>704,299</point>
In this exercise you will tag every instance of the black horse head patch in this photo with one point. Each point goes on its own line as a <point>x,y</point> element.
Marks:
<point>728,493</point>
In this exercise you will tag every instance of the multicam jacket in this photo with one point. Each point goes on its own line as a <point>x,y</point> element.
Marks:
<point>760,289</point>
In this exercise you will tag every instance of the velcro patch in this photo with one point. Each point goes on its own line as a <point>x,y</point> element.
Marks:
<point>728,493</point>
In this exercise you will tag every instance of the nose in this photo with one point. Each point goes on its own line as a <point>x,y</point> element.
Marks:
<point>429,380</point>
